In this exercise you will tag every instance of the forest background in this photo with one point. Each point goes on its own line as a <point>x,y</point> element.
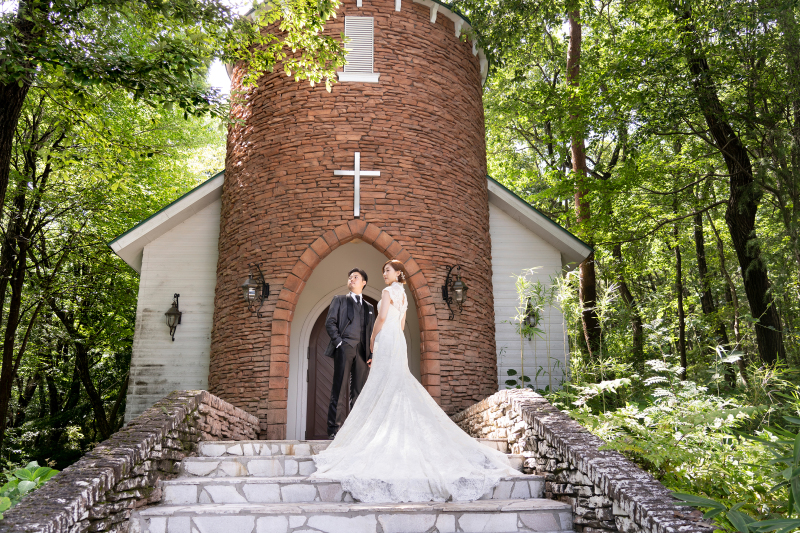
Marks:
<point>664,133</point>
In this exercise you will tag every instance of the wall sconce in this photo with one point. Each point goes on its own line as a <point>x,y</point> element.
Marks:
<point>454,290</point>
<point>532,317</point>
<point>255,290</point>
<point>173,316</point>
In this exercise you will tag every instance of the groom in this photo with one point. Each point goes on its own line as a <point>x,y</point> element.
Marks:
<point>349,325</point>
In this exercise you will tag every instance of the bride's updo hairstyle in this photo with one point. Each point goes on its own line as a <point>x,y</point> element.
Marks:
<point>399,267</point>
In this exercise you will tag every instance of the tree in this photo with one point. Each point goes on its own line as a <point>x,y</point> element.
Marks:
<point>82,172</point>
<point>588,278</point>
<point>157,51</point>
<point>744,195</point>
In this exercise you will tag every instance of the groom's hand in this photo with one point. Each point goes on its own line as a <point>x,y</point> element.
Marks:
<point>369,363</point>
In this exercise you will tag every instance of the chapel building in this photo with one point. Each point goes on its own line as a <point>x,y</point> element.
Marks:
<point>390,164</point>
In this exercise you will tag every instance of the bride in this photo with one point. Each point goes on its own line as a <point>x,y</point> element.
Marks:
<point>397,445</point>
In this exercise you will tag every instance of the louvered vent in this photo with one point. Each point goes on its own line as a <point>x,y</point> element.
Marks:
<point>359,47</point>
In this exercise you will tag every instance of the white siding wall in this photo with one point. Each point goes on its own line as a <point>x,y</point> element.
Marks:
<point>514,249</point>
<point>183,260</point>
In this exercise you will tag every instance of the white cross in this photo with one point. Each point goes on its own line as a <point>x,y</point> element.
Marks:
<point>357,173</point>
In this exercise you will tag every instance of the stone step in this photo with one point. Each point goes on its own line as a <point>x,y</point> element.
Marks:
<point>290,447</point>
<point>497,516</point>
<point>261,447</point>
<point>267,466</point>
<point>248,465</point>
<point>297,489</point>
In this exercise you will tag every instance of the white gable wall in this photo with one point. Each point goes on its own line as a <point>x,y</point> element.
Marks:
<point>514,249</point>
<point>182,260</point>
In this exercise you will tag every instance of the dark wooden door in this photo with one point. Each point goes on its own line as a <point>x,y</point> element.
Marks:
<point>320,379</point>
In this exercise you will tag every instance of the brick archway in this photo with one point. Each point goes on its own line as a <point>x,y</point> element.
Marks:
<point>290,294</point>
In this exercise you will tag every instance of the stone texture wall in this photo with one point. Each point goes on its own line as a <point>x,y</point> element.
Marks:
<point>422,127</point>
<point>608,493</point>
<point>98,492</point>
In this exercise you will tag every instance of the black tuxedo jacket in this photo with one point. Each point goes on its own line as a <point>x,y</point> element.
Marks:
<point>339,317</point>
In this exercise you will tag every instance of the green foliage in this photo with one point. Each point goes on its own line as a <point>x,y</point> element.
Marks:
<point>159,52</point>
<point>22,481</point>
<point>785,447</point>
<point>702,438</point>
<point>119,161</point>
<point>517,381</point>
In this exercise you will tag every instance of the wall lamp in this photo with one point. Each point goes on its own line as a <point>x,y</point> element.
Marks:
<point>454,290</point>
<point>173,316</point>
<point>255,290</point>
<point>532,318</point>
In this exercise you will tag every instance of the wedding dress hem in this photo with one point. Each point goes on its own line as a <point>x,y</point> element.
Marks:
<point>397,445</point>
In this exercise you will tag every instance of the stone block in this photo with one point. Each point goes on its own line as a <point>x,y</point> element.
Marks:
<point>488,522</point>
<point>177,494</point>
<point>296,521</point>
<point>232,468</point>
<point>224,524</point>
<point>343,524</point>
<point>262,492</point>
<point>306,468</point>
<point>273,524</point>
<point>200,468</point>
<point>446,523</point>
<point>265,467</point>
<point>330,492</point>
<point>503,490</point>
<point>540,521</point>
<point>157,525</point>
<point>406,522</point>
<point>224,494</point>
<point>208,449</point>
<point>521,490</point>
<point>298,492</point>
<point>179,524</point>
<point>290,467</point>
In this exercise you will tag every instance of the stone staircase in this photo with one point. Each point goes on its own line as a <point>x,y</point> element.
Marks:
<point>263,487</point>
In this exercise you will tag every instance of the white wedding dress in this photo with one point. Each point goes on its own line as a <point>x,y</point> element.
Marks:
<point>397,445</point>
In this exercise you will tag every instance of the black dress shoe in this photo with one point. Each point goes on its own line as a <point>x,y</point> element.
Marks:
<point>332,436</point>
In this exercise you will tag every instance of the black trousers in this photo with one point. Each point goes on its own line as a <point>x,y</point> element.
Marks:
<point>348,366</point>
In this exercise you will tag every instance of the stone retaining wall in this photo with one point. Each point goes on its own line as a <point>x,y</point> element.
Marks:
<point>608,493</point>
<point>98,492</point>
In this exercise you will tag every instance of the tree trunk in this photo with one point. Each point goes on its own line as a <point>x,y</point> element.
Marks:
<point>630,302</point>
<point>706,298</point>
<point>95,400</point>
<point>81,347</point>
<point>13,94</point>
<point>740,214</point>
<point>588,282</point>
<point>681,313</point>
<point>732,298</point>
<point>13,262</point>
<point>25,397</point>
<point>12,97</point>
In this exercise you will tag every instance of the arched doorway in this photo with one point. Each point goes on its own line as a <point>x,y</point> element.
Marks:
<point>327,280</point>
<point>320,378</point>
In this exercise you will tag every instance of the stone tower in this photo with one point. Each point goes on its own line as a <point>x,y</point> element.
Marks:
<point>417,119</point>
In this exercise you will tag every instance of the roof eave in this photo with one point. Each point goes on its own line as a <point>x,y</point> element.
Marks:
<point>130,245</point>
<point>573,250</point>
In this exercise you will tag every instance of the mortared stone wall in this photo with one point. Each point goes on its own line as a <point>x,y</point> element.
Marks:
<point>422,127</point>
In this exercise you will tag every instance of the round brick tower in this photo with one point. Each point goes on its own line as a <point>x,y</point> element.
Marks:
<point>421,126</point>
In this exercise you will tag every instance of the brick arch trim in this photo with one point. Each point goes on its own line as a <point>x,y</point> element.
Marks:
<point>293,287</point>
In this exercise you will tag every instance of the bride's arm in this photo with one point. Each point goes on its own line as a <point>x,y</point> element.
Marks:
<point>386,301</point>
<point>403,322</point>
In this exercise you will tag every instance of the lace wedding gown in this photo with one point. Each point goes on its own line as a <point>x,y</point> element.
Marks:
<point>397,445</point>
